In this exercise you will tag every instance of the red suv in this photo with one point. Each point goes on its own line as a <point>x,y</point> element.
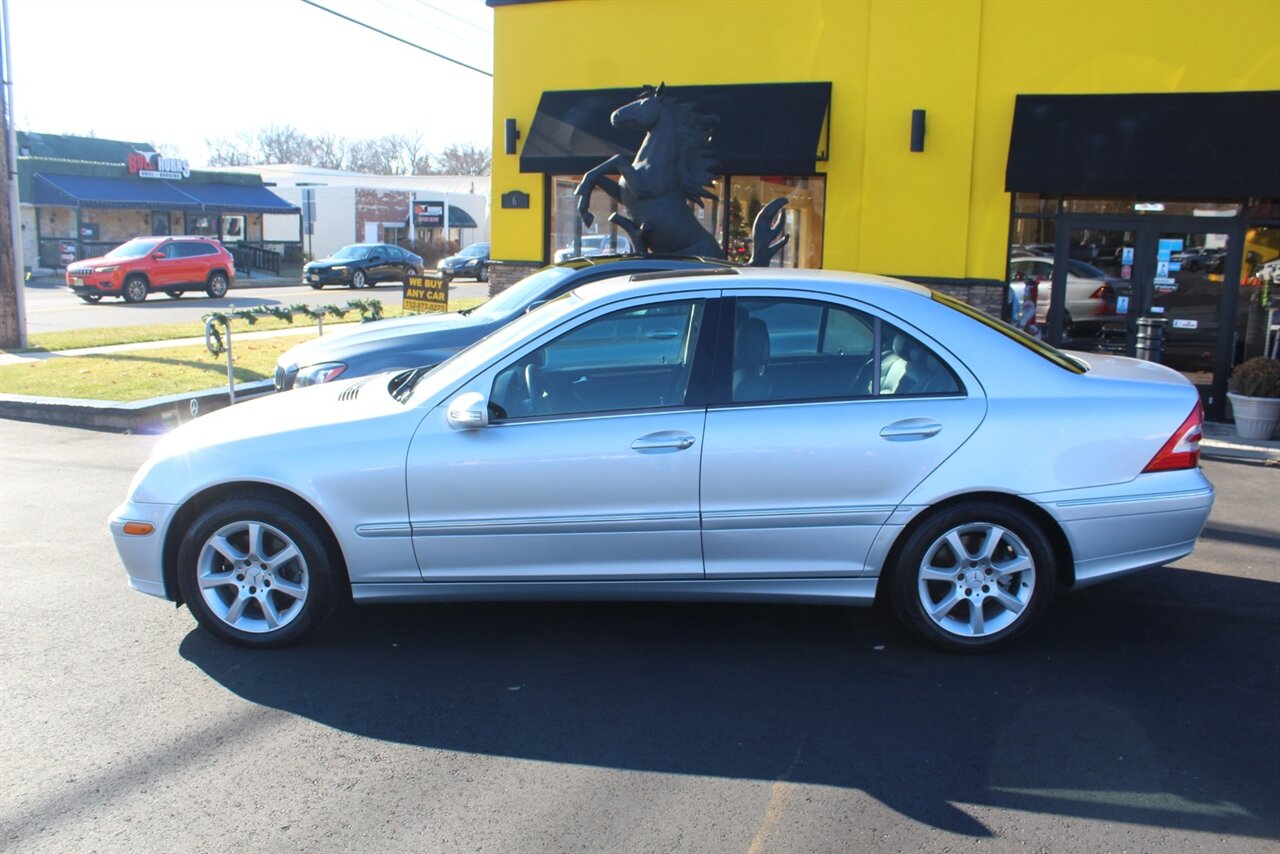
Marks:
<point>174,265</point>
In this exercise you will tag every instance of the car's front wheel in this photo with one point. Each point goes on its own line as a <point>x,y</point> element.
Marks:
<point>973,577</point>
<point>358,279</point>
<point>482,275</point>
<point>135,289</point>
<point>256,572</point>
<point>92,299</point>
<point>174,294</point>
<point>217,287</point>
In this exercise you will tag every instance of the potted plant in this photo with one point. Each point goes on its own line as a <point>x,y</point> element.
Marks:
<point>1254,392</point>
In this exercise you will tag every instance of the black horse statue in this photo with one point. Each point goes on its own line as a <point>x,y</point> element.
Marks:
<point>671,170</point>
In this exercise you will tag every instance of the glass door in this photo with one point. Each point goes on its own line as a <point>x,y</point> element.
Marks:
<point>1188,290</point>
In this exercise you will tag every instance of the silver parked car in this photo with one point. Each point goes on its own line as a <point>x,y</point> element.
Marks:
<point>719,434</point>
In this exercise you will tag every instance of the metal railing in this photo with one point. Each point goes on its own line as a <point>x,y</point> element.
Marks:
<point>255,256</point>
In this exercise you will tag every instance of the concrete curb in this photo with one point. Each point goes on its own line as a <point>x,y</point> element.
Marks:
<point>157,415</point>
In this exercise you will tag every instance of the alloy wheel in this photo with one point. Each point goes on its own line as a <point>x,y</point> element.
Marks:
<point>253,577</point>
<point>976,579</point>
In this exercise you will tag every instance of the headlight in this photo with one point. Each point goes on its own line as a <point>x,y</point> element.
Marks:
<point>473,262</point>
<point>338,269</point>
<point>321,373</point>
<point>110,269</point>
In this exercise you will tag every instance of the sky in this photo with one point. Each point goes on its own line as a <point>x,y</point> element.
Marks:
<point>178,72</point>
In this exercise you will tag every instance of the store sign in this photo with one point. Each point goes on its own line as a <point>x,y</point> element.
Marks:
<point>430,296</point>
<point>428,214</point>
<point>152,165</point>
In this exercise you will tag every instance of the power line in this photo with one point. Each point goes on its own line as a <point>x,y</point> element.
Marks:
<point>397,38</point>
<point>436,26</point>
<point>455,17</point>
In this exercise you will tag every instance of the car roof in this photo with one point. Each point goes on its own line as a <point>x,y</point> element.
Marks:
<point>864,286</point>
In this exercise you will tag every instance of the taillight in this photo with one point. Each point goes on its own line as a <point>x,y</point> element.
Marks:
<point>1182,451</point>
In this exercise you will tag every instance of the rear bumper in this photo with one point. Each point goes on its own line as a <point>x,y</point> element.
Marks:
<point>1149,522</point>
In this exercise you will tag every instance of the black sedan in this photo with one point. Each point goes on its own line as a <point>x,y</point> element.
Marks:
<point>362,265</point>
<point>428,339</point>
<point>471,262</point>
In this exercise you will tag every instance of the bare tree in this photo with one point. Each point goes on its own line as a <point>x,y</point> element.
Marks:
<point>283,144</point>
<point>237,151</point>
<point>329,151</point>
<point>463,159</point>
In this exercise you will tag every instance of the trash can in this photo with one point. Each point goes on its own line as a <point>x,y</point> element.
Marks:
<point>1150,341</point>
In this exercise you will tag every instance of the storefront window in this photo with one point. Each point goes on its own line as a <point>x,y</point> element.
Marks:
<point>802,218</point>
<point>1259,290</point>
<point>202,225</point>
<point>1034,203</point>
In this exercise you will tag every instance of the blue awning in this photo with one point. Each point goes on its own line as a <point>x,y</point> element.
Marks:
<point>89,191</point>
<point>145,193</point>
<point>238,198</point>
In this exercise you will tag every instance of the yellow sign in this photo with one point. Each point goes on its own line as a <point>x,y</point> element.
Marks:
<point>425,295</point>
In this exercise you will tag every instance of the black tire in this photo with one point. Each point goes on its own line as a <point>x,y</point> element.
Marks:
<point>483,274</point>
<point>444,280</point>
<point>218,285</point>
<point>358,279</point>
<point>135,289</point>
<point>92,299</point>
<point>174,294</point>
<point>316,287</point>
<point>298,594</point>
<point>1009,582</point>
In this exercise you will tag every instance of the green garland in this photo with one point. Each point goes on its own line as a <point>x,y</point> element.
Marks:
<point>370,310</point>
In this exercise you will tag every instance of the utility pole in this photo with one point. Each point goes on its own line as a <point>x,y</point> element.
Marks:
<point>13,313</point>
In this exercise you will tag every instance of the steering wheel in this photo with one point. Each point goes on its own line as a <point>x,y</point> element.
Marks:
<point>539,399</point>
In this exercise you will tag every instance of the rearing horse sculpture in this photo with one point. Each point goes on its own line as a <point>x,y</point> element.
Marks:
<point>671,170</point>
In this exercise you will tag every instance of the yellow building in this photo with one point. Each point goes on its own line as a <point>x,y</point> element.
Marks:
<point>1120,160</point>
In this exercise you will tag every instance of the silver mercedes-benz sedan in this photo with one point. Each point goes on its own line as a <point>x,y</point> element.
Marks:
<point>720,434</point>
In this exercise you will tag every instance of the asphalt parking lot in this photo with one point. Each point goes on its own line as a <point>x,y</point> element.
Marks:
<point>1142,716</point>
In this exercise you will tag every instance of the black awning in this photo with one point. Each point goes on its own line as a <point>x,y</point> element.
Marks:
<point>763,129</point>
<point>1195,145</point>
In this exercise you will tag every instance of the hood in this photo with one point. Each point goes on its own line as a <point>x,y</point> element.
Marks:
<point>432,331</point>
<point>459,260</point>
<point>267,438</point>
<point>100,261</point>
<point>325,263</point>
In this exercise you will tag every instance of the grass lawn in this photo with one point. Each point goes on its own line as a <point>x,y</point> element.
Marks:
<point>143,374</point>
<point>74,339</point>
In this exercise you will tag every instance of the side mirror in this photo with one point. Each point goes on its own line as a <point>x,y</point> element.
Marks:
<point>160,256</point>
<point>468,411</point>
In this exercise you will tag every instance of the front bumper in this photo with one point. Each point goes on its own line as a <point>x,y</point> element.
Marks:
<point>326,277</point>
<point>143,556</point>
<point>103,285</point>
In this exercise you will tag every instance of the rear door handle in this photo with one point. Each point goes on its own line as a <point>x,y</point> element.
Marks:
<point>911,429</point>
<point>665,440</point>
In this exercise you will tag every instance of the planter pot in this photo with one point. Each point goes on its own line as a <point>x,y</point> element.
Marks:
<point>1256,417</point>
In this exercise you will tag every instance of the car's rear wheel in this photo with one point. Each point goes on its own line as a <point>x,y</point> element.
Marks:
<point>973,577</point>
<point>174,294</point>
<point>256,572</point>
<point>217,286</point>
<point>92,299</point>
<point>482,275</point>
<point>358,279</point>
<point>135,289</point>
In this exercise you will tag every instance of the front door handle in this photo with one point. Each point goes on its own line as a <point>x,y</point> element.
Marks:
<point>911,429</point>
<point>665,440</point>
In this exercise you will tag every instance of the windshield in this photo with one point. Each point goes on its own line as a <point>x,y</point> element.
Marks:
<point>1035,345</point>
<point>525,292</point>
<point>133,249</point>
<point>351,252</point>
<point>475,250</point>
<point>458,367</point>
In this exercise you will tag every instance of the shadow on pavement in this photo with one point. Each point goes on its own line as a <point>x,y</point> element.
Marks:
<point>1152,700</point>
